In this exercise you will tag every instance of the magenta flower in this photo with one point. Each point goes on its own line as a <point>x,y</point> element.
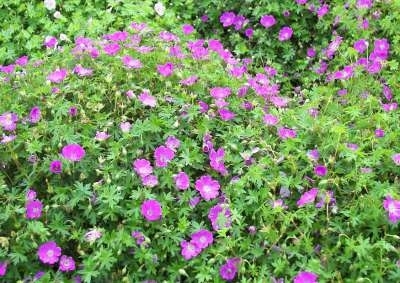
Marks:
<point>249,33</point>
<point>163,155</point>
<point>379,133</point>
<point>81,71</point>
<point>187,29</point>
<point>131,63</point>
<point>189,80</point>
<point>364,4</point>
<point>117,36</point>
<point>322,11</point>
<point>149,181</point>
<point>286,133</point>
<point>73,152</point>
<point>307,197</point>
<point>30,195</point>
<point>49,252</point>
<point>3,268</point>
<point>57,76</point>
<point>147,99</point>
<point>227,19</point>
<point>56,167</point>
<point>142,167</point>
<point>207,187</point>
<point>9,69</point>
<point>73,111</point>
<point>229,270</point>
<point>285,33</point>
<point>313,154</point>
<point>220,216</point>
<point>220,92</point>
<point>217,160</point>
<point>33,209</point>
<point>360,45</point>
<point>226,115</point>
<point>151,210</point>
<point>172,142</point>
<point>111,49</point>
<point>305,277</point>
<point>396,158</point>
<point>270,120</point>
<point>50,41</point>
<point>267,21</point>
<point>182,181</point>
<point>392,206</point>
<point>101,136</point>
<point>22,61</point>
<point>320,170</point>
<point>166,70</point>
<point>202,238</point>
<point>139,237</point>
<point>35,115</point>
<point>9,121</point>
<point>189,250</point>
<point>66,263</point>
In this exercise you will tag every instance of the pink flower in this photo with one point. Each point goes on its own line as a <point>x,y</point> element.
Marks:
<point>33,209</point>
<point>81,71</point>
<point>149,181</point>
<point>101,136</point>
<point>117,36</point>
<point>50,42</point>
<point>202,238</point>
<point>227,19</point>
<point>364,4</point>
<point>56,167</point>
<point>226,114</point>
<point>270,120</point>
<point>189,81</point>
<point>249,33</point>
<point>163,155</point>
<point>125,127</point>
<point>286,133</point>
<point>220,216</point>
<point>189,250</point>
<point>322,11</point>
<point>396,158</point>
<point>217,160</point>
<point>57,76</point>
<point>285,33</point>
<point>379,133</point>
<point>142,167</point>
<point>66,264</point>
<point>49,252</point>
<point>313,154</point>
<point>187,29</point>
<point>182,181</point>
<point>111,49</point>
<point>392,206</point>
<point>305,277</point>
<point>267,21</point>
<point>92,235</point>
<point>8,121</point>
<point>6,139</point>
<point>151,210</point>
<point>320,170</point>
<point>207,187</point>
<point>30,195</point>
<point>307,197</point>
<point>229,270</point>
<point>220,92</point>
<point>360,45</point>
<point>73,152</point>
<point>172,142</point>
<point>166,70</point>
<point>3,268</point>
<point>22,61</point>
<point>147,99</point>
<point>131,63</point>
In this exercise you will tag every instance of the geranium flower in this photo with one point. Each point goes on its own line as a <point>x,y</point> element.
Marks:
<point>182,181</point>
<point>142,167</point>
<point>307,197</point>
<point>56,167</point>
<point>33,209</point>
<point>202,238</point>
<point>49,252</point>
<point>35,115</point>
<point>220,216</point>
<point>207,187</point>
<point>217,160</point>
<point>81,71</point>
<point>396,158</point>
<point>163,155</point>
<point>101,136</point>
<point>57,76</point>
<point>229,270</point>
<point>166,70</point>
<point>151,210</point>
<point>227,19</point>
<point>111,49</point>
<point>3,268</point>
<point>149,181</point>
<point>131,63</point>
<point>189,250</point>
<point>305,277</point>
<point>147,99</point>
<point>8,121</point>
<point>172,142</point>
<point>392,206</point>
<point>92,235</point>
<point>320,170</point>
<point>187,29</point>
<point>66,264</point>
<point>73,152</point>
<point>50,42</point>
<point>285,33</point>
<point>267,21</point>
<point>22,61</point>
<point>286,133</point>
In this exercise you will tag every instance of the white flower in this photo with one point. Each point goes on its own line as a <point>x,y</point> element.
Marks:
<point>57,15</point>
<point>64,37</point>
<point>49,4</point>
<point>159,8</point>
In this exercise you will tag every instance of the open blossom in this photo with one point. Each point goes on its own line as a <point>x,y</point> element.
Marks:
<point>187,29</point>
<point>286,133</point>
<point>360,45</point>
<point>307,197</point>
<point>73,152</point>
<point>320,170</point>
<point>172,142</point>
<point>57,76</point>
<point>111,49</point>
<point>142,167</point>
<point>147,99</point>
<point>392,206</point>
<point>220,92</point>
<point>151,210</point>
<point>49,252</point>
<point>66,264</point>
<point>56,167</point>
<point>131,63</point>
<point>8,121</point>
<point>81,71</point>
<point>364,4</point>
<point>227,19</point>
<point>189,250</point>
<point>396,158</point>
<point>163,155</point>
<point>35,115</point>
<point>220,216</point>
<point>217,160</point>
<point>229,270</point>
<point>182,181</point>
<point>202,238</point>
<point>101,136</point>
<point>22,61</point>
<point>207,187</point>
<point>92,235</point>
<point>166,70</point>
<point>33,209</point>
<point>159,8</point>
<point>305,277</point>
<point>285,33</point>
<point>149,181</point>
<point>270,120</point>
<point>125,127</point>
<point>50,41</point>
<point>30,195</point>
<point>267,21</point>
<point>189,80</point>
<point>226,114</point>
<point>117,36</point>
<point>3,268</point>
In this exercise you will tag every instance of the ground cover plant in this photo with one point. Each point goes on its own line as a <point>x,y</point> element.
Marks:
<point>145,155</point>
